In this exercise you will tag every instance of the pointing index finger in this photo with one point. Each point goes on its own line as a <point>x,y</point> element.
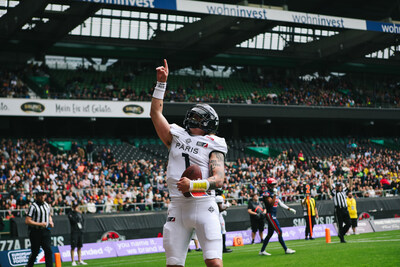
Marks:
<point>165,64</point>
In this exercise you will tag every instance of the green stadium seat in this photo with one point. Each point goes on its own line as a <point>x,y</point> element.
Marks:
<point>102,141</point>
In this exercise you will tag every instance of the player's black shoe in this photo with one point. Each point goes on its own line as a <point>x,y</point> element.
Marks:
<point>227,250</point>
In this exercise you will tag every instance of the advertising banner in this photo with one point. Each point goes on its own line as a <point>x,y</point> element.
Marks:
<point>20,257</point>
<point>139,246</point>
<point>385,224</point>
<point>257,13</point>
<point>25,243</point>
<point>383,27</point>
<point>253,12</point>
<point>155,245</point>
<point>73,108</point>
<point>269,14</point>
<point>160,4</point>
<point>115,248</point>
<point>363,227</point>
<point>90,251</point>
<point>288,233</point>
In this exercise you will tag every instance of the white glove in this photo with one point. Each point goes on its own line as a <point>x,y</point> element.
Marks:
<point>292,210</point>
<point>275,191</point>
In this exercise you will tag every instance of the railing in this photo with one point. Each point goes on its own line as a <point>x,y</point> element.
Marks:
<point>157,206</point>
<point>68,95</point>
<point>99,208</point>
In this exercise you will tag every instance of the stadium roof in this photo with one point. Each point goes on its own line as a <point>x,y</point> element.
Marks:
<point>32,29</point>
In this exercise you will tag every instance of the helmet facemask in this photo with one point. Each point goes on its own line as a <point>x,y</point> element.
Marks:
<point>202,116</point>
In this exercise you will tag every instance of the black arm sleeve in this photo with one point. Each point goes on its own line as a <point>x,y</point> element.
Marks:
<point>250,205</point>
<point>72,219</point>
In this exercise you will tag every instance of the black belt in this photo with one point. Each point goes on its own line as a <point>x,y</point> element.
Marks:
<point>36,228</point>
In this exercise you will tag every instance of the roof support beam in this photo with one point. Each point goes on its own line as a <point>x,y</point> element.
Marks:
<point>340,48</point>
<point>19,15</point>
<point>56,29</point>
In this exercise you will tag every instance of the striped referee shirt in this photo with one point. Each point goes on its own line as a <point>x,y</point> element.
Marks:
<point>339,198</point>
<point>39,212</point>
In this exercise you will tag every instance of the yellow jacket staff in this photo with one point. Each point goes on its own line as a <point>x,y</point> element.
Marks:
<point>352,206</point>
<point>312,207</point>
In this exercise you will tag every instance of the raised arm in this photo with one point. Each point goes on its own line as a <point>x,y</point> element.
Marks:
<point>350,184</point>
<point>159,121</point>
<point>330,183</point>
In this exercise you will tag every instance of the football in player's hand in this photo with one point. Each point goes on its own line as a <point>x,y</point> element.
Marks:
<point>193,172</point>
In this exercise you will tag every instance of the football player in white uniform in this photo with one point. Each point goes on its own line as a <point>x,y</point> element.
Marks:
<point>194,144</point>
<point>222,212</point>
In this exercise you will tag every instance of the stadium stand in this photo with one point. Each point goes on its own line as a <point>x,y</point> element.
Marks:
<point>12,85</point>
<point>124,85</point>
<point>332,94</point>
<point>132,178</point>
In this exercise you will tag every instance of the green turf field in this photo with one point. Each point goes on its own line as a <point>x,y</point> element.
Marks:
<point>374,249</point>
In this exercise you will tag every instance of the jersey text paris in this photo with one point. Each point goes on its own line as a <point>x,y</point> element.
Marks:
<point>189,150</point>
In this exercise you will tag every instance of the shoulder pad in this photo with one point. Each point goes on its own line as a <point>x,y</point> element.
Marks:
<point>176,129</point>
<point>219,199</point>
<point>217,144</point>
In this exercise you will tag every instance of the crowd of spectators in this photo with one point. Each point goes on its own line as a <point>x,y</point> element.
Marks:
<point>107,89</point>
<point>104,184</point>
<point>372,172</point>
<point>13,82</point>
<point>315,91</point>
<point>335,91</point>
<point>11,85</point>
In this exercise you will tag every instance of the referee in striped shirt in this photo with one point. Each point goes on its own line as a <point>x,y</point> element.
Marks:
<point>39,221</point>
<point>339,192</point>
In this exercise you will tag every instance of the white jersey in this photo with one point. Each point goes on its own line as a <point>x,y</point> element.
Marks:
<point>219,199</point>
<point>189,150</point>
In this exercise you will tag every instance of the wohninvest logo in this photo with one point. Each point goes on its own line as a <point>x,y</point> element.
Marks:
<point>236,11</point>
<point>394,28</point>
<point>138,3</point>
<point>383,27</point>
<point>165,4</point>
<point>315,19</point>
